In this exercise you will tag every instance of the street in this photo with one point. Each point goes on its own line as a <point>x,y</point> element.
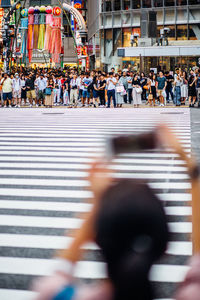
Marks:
<point>44,158</point>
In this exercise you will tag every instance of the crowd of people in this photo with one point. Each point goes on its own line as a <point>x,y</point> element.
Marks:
<point>50,87</point>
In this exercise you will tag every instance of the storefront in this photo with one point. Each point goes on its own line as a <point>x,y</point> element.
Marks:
<point>161,58</point>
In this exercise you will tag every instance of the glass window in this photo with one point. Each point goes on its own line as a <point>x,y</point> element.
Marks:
<point>181,16</point>
<point>117,5</point>
<point>160,19</point>
<point>126,4</point>
<point>136,4</point>
<point>182,32</point>
<point>146,3</point>
<point>194,14</point>
<point>158,3</point>
<point>126,37</point>
<point>108,5</point>
<point>193,2</point>
<point>108,43</point>
<point>126,19</point>
<point>172,33</point>
<point>194,32</point>
<point>181,2</point>
<point>169,16</point>
<point>117,20</point>
<point>169,2</point>
<point>117,38</point>
<point>108,21</point>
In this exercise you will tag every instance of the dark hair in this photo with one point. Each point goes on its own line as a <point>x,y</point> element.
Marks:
<point>131,229</point>
<point>111,73</point>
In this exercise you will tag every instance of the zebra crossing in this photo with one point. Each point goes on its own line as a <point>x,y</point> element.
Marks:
<point>45,155</point>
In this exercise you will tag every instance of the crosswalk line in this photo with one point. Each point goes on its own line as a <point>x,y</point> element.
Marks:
<point>83,174</point>
<point>63,242</point>
<point>84,183</point>
<point>84,269</point>
<point>71,223</point>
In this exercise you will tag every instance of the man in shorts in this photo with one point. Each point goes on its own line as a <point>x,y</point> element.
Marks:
<point>30,85</point>
<point>41,85</point>
<point>86,83</point>
<point>6,84</point>
<point>161,86</point>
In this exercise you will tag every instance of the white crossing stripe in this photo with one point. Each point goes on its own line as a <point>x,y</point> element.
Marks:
<point>84,269</point>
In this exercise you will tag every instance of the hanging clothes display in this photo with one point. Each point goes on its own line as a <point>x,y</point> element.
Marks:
<point>36,27</point>
<point>24,31</point>
<point>30,32</point>
<point>56,43</point>
<point>49,24</point>
<point>41,37</point>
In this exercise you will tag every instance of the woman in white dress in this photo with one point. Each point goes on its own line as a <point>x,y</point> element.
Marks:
<point>119,92</point>
<point>137,92</point>
<point>184,88</point>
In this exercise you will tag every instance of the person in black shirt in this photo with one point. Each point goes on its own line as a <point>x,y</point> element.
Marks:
<point>170,80</point>
<point>101,91</point>
<point>30,86</point>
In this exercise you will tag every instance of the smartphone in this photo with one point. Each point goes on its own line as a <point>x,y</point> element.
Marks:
<point>131,143</point>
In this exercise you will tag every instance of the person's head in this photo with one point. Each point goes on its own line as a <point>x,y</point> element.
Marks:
<point>136,77</point>
<point>87,74</point>
<point>16,75</point>
<point>5,75</point>
<point>41,76</point>
<point>161,73</point>
<point>111,74</point>
<point>101,77</point>
<point>142,74</point>
<point>131,230</point>
<point>124,74</point>
<point>177,71</point>
<point>22,77</point>
<point>166,73</point>
<point>117,76</point>
<point>113,70</point>
<point>75,76</point>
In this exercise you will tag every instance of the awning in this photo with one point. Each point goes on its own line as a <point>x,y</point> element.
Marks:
<point>159,51</point>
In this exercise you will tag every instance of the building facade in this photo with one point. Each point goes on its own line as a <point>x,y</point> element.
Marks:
<point>118,20</point>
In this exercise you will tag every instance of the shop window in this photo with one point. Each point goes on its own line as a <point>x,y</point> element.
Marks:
<point>117,5</point>
<point>181,2</point>
<point>126,37</point>
<point>158,3</point>
<point>194,32</point>
<point>146,3</point>
<point>172,33</point>
<point>169,2</point>
<point>182,32</point>
<point>126,4</point>
<point>136,4</point>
